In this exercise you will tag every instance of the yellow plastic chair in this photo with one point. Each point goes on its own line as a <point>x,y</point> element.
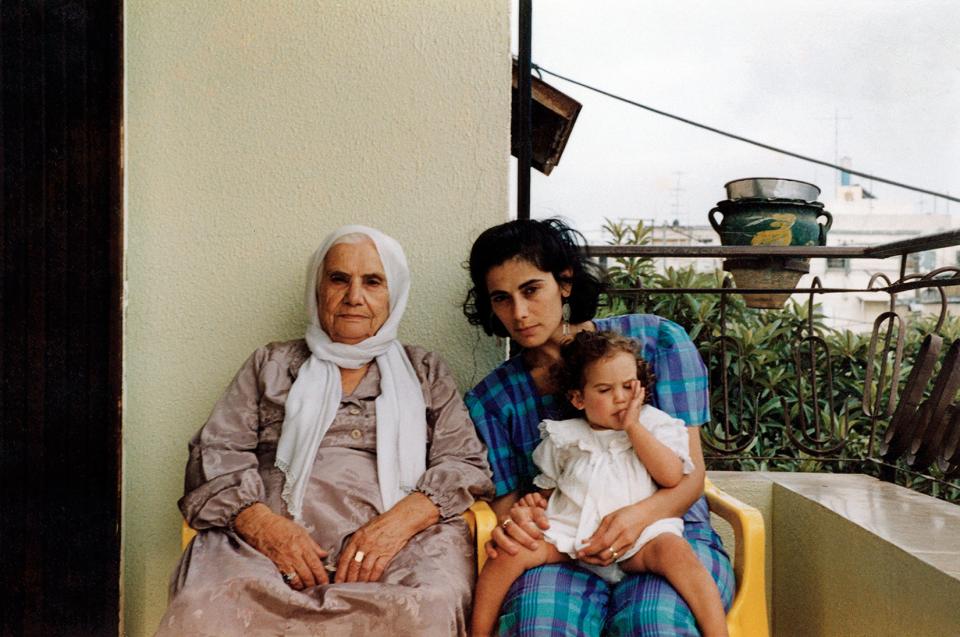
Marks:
<point>748,613</point>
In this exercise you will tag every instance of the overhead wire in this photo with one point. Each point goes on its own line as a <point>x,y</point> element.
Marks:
<point>747,140</point>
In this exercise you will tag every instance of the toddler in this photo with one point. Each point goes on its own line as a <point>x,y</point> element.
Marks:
<point>590,467</point>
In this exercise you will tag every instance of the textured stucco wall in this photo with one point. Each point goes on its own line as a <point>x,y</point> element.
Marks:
<point>252,129</point>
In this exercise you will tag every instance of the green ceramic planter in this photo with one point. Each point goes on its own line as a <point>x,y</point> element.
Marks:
<point>770,222</point>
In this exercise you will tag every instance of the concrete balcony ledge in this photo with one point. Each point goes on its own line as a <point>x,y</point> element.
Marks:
<point>850,555</point>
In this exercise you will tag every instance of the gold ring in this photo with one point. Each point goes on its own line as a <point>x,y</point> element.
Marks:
<point>506,523</point>
<point>358,557</point>
<point>614,554</point>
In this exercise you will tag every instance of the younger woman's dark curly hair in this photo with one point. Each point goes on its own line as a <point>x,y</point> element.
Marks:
<point>589,347</point>
<point>550,245</point>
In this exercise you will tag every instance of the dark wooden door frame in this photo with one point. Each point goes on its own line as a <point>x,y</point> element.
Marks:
<point>61,323</point>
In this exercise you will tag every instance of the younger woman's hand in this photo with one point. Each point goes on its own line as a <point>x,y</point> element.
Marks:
<point>285,543</point>
<point>523,526</point>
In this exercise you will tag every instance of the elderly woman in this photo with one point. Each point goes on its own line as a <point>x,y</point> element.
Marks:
<point>328,483</point>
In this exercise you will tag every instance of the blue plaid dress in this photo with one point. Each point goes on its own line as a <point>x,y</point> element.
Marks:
<point>564,599</point>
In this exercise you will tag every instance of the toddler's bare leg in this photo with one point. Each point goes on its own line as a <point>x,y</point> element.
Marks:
<point>672,557</point>
<point>497,577</point>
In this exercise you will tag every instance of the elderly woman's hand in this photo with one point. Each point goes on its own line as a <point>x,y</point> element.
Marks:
<point>374,545</point>
<point>286,543</point>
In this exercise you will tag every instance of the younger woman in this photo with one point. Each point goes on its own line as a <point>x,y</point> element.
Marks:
<point>532,282</point>
<point>592,466</point>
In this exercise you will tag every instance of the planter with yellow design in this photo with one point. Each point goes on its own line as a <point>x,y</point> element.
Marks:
<point>769,222</point>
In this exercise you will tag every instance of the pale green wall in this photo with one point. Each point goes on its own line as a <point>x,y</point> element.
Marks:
<point>251,130</point>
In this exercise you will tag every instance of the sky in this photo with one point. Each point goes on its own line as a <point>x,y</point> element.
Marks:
<point>874,80</point>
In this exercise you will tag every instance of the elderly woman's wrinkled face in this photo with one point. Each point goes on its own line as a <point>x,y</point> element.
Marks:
<point>352,297</point>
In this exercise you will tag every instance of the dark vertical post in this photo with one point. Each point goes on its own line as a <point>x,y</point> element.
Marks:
<point>526,128</point>
<point>60,317</point>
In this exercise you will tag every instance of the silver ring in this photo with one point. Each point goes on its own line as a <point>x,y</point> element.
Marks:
<point>288,577</point>
<point>358,557</point>
<point>506,523</point>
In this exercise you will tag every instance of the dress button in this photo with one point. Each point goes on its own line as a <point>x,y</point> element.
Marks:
<point>356,434</point>
<point>354,411</point>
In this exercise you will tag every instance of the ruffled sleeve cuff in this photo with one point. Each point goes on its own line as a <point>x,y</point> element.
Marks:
<point>232,524</point>
<point>450,503</point>
<point>217,502</point>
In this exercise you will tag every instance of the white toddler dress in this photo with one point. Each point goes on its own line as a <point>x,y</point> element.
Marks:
<point>595,472</point>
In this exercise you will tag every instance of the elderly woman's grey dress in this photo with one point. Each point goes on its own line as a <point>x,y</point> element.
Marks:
<point>223,586</point>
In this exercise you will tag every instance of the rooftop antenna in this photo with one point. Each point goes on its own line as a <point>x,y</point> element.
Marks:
<point>676,190</point>
<point>836,146</point>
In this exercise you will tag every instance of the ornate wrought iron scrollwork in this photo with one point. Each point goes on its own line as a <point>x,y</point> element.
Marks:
<point>871,408</point>
<point>931,276</point>
<point>921,433</point>
<point>729,441</point>
<point>899,431</point>
<point>815,442</point>
<point>928,432</point>
<point>949,459</point>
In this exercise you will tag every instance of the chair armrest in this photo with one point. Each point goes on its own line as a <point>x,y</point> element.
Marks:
<point>749,609</point>
<point>186,534</point>
<point>481,519</point>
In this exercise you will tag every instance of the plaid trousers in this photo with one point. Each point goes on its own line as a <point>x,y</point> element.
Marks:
<point>565,600</point>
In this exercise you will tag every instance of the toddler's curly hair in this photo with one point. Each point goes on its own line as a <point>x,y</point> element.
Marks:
<point>589,347</point>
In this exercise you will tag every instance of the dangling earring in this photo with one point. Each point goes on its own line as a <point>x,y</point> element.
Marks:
<point>565,313</point>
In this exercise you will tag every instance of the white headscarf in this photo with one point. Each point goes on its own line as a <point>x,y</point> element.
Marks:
<point>315,396</point>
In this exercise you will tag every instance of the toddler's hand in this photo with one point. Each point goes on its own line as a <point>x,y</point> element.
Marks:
<point>535,500</point>
<point>631,415</point>
<point>523,526</point>
<point>530,512</point>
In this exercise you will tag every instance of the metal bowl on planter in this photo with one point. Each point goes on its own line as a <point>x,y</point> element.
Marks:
<point>771,188</point>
